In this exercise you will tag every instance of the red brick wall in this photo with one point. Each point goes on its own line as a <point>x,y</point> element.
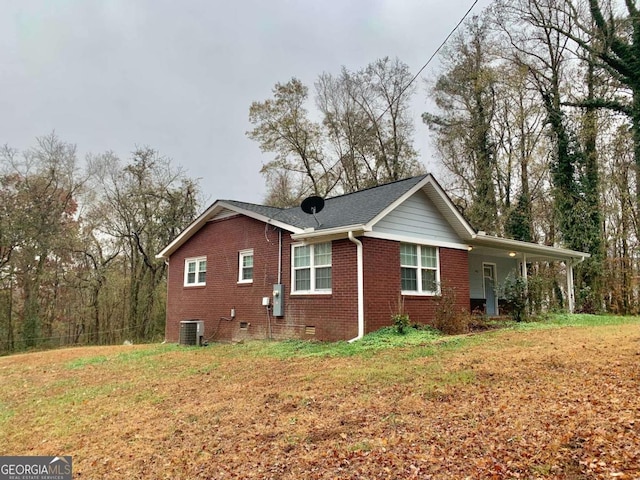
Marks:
<point>382,284</point>
<point>220,241</point>
<point>334,316</point>
<point>381,281</point>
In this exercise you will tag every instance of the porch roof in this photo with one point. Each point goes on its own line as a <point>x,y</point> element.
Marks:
<point>533,252</point>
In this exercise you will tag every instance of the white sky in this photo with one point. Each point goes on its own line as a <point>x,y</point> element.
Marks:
<point>179,76</point>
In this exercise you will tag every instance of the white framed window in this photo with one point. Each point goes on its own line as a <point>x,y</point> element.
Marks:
<point>419,269</point>
<point>195,272</point>
<point>311,268</point>
<point>245,266</point>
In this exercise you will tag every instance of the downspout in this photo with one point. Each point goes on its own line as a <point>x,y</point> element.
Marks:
<point>166,304</point>
<point>360,270</point>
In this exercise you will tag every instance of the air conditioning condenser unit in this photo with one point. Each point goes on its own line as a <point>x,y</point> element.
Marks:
<point>191,332</point>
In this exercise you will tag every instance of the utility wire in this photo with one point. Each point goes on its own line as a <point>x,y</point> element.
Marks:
<point>413,79</point>
<point>433,55</point>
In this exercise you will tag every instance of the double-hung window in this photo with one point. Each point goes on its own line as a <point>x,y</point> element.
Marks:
<point>245,268</point>
<point>195,271</point>
<point>311,268</point>
<point>419,269</point>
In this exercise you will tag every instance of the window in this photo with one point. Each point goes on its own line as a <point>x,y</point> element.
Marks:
<point>419,269</point>
<point>311,268</point>
<point>245,269</point>
<point>195,271</point>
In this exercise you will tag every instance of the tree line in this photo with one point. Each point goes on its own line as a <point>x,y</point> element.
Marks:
<point>536,124</point>
<point>78,245</point>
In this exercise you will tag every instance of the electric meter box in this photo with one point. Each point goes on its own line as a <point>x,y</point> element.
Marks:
<point>278,300</point>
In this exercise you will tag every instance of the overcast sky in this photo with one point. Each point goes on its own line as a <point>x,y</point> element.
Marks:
<point>179,76</point>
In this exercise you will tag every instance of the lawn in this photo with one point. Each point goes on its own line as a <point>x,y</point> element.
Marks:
<point>559,399</point>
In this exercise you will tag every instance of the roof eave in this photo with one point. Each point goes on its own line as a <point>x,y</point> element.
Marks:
<point>189,231</point>
<point>208,214</point>
<point>312,234</point>
<point>527,247</point>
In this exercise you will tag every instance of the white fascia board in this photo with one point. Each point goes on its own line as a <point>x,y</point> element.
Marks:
<point>468,230</point>
<point>262,218</point>
<point>192,228</point>
<point>417,240</point>
<point>209,214</point>
<point>526,247</point>
<point>329,233</point>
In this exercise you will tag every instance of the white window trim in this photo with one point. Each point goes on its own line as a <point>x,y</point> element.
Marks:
<point>197,261</point>
<point>420,292</point>
<point>313,290</point>
<point>241,255</point>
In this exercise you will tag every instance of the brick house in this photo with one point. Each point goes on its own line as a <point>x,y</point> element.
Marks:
<point>250,271</point>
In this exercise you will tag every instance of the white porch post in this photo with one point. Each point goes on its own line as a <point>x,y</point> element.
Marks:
<point>523,269</point>
<point>570,293</point>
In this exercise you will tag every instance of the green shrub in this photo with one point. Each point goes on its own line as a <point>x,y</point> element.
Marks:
<point>399,317</point>
<point>514,292</point>
<point>400,322</point>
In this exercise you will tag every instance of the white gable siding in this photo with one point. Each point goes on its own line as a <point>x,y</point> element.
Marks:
<point>417,217</point>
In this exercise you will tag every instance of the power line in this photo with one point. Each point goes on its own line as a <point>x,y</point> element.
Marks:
<point>413,79</point>
<point>434,53</point>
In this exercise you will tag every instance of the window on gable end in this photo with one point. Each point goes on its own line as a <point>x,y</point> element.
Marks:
<point>195,271</point>
<point>245,266</point>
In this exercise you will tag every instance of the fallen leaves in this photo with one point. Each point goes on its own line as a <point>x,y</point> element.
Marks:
<point>562,405</point>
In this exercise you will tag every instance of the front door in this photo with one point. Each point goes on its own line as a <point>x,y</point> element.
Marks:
<point>491,302</point>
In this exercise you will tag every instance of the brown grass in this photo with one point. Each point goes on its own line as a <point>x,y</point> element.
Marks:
<point>559,403</point>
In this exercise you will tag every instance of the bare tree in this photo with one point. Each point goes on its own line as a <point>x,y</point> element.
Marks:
<point>365,137</point>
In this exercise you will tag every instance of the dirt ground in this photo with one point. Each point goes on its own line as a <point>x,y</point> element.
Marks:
<point>559,403</point>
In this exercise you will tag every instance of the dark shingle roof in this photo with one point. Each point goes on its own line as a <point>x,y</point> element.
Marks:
<point>356,208</point>
<point>284,215</point>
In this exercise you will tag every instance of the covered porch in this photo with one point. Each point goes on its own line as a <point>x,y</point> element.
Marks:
<point>492,259</point>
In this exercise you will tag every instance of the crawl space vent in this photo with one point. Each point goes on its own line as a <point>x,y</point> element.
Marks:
<point>309,330</point>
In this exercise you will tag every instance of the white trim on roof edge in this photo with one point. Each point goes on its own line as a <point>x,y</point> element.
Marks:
<point>336,232</point>
<point>463,225</point>
<point>211,212</point>
<point>483,240</point>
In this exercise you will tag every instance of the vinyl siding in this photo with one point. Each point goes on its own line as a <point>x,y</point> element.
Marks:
<point>417,217</point>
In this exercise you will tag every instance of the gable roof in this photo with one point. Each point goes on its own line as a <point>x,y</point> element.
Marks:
<point>357,208</point>
<point>357,212</point>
